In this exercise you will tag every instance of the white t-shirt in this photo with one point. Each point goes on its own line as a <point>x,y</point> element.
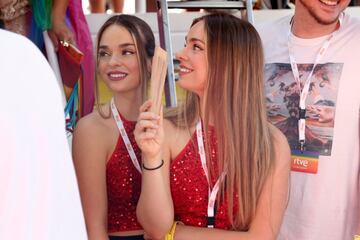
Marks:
<point>322,205</point>
<point>39,193</point>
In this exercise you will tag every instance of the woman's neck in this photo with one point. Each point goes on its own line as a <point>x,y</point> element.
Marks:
<point>202,111</point>
<point>128,104</point>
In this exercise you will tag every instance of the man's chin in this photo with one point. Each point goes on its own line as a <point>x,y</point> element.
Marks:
<point>326,21</point>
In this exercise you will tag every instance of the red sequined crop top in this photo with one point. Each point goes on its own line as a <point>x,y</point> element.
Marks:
<point>123,183</point>
<point>189,187</point>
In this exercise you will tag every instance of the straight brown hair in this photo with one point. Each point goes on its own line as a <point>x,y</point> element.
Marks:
<point>234,98</point>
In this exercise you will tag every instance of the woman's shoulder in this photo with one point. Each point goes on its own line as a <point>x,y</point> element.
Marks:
<point>91,122</point>
<point>280,146</point>
<point>93,125</point>
<point>95,135</point>
<point>277,135</point>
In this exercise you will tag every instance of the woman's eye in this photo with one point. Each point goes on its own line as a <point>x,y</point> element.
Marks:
<point>196,47</point>
<point>128,52</point>
<point>103,54</point>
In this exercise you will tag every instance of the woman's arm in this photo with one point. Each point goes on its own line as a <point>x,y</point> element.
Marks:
<point>270,209</point>
<point>155,209</point>
<point>90,164</point>
<point>59,30</point>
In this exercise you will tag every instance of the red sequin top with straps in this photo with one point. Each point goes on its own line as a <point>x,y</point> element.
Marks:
<point>189,186</point>
<point>123,183</point>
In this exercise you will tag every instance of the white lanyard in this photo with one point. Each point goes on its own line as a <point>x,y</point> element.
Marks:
<point>212,192</point>
<point>305,91</point>
<point>124,135</point>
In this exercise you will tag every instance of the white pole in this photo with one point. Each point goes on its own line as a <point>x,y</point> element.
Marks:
<point>140,6</point>
<point>249,11</point>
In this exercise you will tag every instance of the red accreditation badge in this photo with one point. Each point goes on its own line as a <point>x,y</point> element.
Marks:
<point>304,161</point>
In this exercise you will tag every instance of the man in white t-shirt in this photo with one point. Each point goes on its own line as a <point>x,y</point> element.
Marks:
<point>39,193</point>
<point>313,96</point>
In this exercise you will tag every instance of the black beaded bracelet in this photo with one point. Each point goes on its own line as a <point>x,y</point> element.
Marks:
<point>150,169</point>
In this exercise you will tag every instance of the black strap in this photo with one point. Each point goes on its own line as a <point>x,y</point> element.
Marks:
<point>211,220</point>
<point>154,168</point>
<point>302,113</point>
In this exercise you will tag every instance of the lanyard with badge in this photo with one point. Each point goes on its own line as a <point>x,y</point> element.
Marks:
<point>211,208</point>
<point>124,135</point>
<point>302,160</point>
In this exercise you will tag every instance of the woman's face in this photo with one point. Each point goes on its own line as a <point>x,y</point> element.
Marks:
<point>117,60</point>
<point>193,61</point>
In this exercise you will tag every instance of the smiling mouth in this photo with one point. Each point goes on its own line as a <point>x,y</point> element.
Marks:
<point>184,70</point>
<point>329,3</point>
<point>117,76</point>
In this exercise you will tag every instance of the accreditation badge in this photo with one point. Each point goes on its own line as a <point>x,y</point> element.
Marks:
<point>304,161</point>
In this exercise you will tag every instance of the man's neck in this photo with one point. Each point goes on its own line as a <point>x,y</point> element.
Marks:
<point>305,26</point>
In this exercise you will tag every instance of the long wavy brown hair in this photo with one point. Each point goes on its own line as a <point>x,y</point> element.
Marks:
<point>234,98</point>
<point>145,46</point>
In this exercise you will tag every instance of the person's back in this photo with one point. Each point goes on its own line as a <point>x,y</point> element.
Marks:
<point>324,195</point>
<point>40,198</point>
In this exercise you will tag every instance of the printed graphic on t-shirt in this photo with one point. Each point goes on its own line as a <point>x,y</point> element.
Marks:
<point>282,102</point>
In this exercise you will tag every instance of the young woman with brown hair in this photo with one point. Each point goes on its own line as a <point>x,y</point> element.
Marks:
<point>215,162</point>
<point>106,157</point>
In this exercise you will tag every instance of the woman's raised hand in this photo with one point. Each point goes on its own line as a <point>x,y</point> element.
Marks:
<point>149,132</point>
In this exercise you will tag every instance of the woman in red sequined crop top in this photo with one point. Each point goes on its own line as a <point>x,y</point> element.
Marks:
<point>105,153</point>
<point>215,164</point>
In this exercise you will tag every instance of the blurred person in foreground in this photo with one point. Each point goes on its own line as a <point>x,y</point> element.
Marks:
<point>40,198</point>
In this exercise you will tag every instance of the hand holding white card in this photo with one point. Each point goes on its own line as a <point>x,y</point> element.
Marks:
<point>158,74</point>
